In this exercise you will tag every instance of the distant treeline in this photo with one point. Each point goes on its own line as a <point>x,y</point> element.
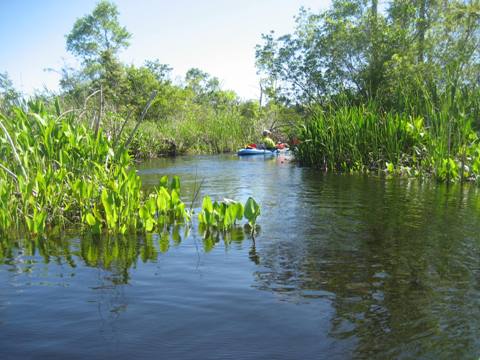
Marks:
<point>192,114</point>
<point>366,86</point>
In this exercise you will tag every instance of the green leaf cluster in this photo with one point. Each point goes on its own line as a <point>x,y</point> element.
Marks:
<point>220,215</point>
<point>56,173</point>
<point>225,214</point>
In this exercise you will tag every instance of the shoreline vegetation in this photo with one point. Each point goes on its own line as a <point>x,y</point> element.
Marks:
<point>58,174</point>
<point>366,139</point>
<point>394,89</point>
<point>362,90</point>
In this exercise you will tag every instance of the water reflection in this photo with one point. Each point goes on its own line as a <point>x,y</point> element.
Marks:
<point>378,268</point>
<point>399,262</point>
<point>116,255</point>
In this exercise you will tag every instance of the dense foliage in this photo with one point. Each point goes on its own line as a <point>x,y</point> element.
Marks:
<point>193,114</point>
<point>417,49</point>
<point>56,173</point>
<point>363,138</point>
<point>350,81</point>
<point>69,163</point>
<point>189,114</point>
<point>368,75</point>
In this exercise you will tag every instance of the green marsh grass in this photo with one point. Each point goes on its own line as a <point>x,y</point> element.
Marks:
<point>198,130</point>
<point>438,142</point>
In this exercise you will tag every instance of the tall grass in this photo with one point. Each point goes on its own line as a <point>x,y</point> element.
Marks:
<point>436,141</point>
<point>198,130</point>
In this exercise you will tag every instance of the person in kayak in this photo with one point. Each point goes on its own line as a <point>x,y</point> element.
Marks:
<point>267,142</point>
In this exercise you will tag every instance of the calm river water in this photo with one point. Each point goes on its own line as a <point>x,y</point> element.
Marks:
<point>343,267</point>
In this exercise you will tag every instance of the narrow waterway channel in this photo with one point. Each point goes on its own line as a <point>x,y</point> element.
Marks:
<point>344,266</point>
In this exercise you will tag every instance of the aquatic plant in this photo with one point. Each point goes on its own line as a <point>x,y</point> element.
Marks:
<point>55,173</point>
<point>363,138</point>
<point>220,215</point>
<point>163,206</point>
<point>218,219</point>
<point>252,212</point>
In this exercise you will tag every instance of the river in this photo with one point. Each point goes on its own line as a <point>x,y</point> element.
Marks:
<point>343,266</point>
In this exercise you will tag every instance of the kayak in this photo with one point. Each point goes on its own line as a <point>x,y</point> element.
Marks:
<point>245,152</point>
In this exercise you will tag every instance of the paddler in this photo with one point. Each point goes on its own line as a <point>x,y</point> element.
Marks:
<point>267,142</point>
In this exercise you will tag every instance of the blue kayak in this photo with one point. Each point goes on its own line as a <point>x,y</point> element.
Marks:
<point>245,152</point>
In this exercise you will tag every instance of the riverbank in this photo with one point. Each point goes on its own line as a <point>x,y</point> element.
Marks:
<point>196,136</point>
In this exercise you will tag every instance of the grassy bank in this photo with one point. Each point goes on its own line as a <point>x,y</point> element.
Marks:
<point>363,138</point>
<point>198,128</point>
<point>198,131</point>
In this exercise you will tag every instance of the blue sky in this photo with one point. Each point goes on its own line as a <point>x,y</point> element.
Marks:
<point>217,36</point>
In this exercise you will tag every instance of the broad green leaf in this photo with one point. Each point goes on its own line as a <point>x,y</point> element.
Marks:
<point>163,199</point>
<point>207,204</point>
<point>143,213</point>
<point>91,219</point>
<point>175,184</point>
<point>251,211</point>
<point>239,213</point>
<point>150,204</point>
<point>163,181</point>
<point>149,224</point>
<point>175,199</point>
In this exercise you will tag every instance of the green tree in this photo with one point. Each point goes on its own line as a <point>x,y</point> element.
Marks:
<point>201,82</point>
<point>96,39</point>
<point>112,77</point>
<point>161,71</point>
<point>97,33</point>
<point>206,89</point>
<point>413,53</point>
<point>9,96</point>
<point>326,55</point>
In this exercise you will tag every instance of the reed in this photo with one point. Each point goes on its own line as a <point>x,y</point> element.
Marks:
<point>197,130</point>
<point>435,140</point>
